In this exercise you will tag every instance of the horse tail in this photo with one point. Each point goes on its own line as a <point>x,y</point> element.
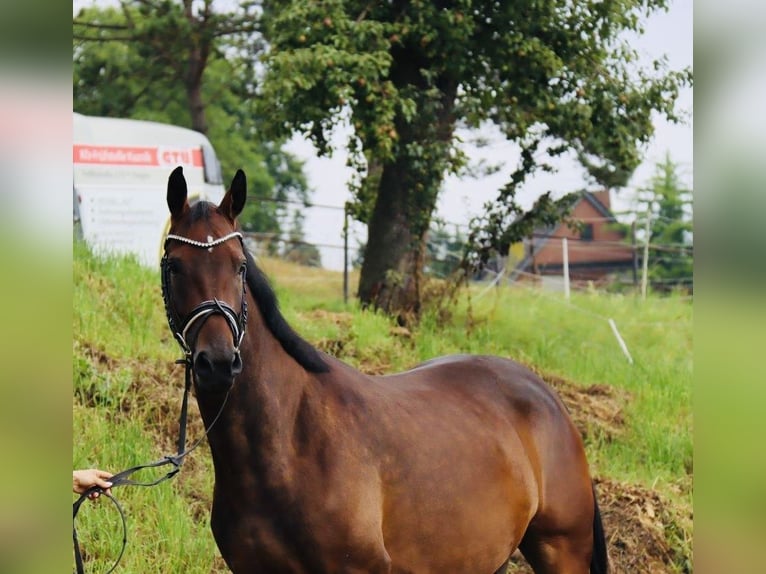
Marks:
<point>598,561</point>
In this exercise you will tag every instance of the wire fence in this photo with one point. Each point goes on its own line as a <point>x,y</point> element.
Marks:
<point>338,240</point>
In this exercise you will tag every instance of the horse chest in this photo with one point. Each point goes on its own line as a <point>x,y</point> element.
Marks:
<point>264,536</point>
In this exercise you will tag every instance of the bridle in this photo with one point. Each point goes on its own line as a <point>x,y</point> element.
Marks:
<point>237,323</point>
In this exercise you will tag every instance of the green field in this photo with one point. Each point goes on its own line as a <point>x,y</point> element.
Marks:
<point>127,391</point>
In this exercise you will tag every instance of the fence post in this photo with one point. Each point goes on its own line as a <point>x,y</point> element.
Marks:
<point>620,340</point>
<point>645,266</point>
<point>345,255</point>
<point>565,253</point>
<point>635,253</point>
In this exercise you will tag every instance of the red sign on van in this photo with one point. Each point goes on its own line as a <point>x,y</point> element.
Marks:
<point>137,156</point>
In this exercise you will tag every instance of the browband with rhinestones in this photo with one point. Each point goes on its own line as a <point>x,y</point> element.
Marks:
<point>202,244</point>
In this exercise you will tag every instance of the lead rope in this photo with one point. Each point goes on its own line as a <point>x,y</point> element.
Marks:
<point>121,478</point>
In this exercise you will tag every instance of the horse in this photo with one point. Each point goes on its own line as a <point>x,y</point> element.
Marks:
<point>445,468</point>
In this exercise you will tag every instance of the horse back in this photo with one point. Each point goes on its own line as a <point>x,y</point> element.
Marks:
<point>499,386</point>
<point>498,399</point>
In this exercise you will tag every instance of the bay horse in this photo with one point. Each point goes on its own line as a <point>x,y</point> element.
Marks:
<point>446,468</point>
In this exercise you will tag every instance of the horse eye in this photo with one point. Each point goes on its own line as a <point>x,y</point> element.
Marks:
<point>243,267</point>
<point>174,266</point>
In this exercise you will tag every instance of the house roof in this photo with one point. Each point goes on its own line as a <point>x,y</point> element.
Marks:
<point>543,234</point>
<point>600,207</point>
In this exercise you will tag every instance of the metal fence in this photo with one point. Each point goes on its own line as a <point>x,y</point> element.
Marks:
<point>339,240</point>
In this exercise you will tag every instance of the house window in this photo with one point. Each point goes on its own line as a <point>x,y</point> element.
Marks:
<point>586,234</point>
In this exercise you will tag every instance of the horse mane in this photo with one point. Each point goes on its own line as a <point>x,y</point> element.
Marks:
<point>295,346</point>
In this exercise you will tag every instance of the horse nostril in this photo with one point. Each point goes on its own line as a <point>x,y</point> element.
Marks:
<point>202,364</point>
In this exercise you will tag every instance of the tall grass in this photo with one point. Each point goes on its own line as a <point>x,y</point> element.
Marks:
<point>117,304</point>
<point>120,331</point>
<point>162,535</point>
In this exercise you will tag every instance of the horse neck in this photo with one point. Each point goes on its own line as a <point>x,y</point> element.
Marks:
<point>263,403</point>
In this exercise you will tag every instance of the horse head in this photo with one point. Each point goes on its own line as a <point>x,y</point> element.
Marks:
<point>203,281</point>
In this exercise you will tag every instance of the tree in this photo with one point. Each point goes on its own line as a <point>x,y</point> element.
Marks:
<point>406,74</point>
<point>444,250</point>
<point>175,38</point>
<point>668,204</point>
<point>185,64</point>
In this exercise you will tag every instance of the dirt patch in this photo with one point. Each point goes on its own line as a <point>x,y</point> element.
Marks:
<point>646,532</point>
<point>597,410</point>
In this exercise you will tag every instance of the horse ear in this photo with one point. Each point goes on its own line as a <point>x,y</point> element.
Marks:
<point>177,193</point>
<point>232,203</point>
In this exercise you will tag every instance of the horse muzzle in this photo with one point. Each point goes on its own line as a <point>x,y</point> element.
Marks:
<point>215,370</point>
<point>214,350</point>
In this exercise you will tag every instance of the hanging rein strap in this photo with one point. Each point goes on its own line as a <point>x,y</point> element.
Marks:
<point>198,314</point>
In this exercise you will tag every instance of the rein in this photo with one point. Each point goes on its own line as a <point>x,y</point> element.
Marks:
<point>199,313</point>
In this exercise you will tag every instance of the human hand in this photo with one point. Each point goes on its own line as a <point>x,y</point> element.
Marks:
<point>82,480</point>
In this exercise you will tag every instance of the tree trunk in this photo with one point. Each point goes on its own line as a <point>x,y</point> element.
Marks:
<point>199,51</point>
<point>391,274</point>
<point>196,107</point>
<point>393,256</point>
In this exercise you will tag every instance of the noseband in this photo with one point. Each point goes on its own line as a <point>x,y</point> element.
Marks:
<point>198,315</point>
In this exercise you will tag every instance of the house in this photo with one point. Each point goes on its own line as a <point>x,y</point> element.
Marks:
<point>596,251</point>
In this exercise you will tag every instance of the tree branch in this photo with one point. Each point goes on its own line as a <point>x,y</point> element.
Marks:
<point>241,28</point>
<point>363,13</point>
<point>99,26</point>
<point>127,14</point>
<point>84,38</point>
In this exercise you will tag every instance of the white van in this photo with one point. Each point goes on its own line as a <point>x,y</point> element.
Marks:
<point>121,170</point>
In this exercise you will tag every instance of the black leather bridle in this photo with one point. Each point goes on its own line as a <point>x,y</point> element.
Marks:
<point>237,323</point>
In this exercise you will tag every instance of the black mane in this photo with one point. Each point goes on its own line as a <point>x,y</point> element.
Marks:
<point>297,347</point>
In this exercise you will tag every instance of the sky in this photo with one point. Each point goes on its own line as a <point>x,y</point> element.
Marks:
<point>667,33</point>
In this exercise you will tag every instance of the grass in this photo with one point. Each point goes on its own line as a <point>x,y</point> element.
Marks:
<point>162,535</point>
<point>117,304</point>
<point>122,352</point>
